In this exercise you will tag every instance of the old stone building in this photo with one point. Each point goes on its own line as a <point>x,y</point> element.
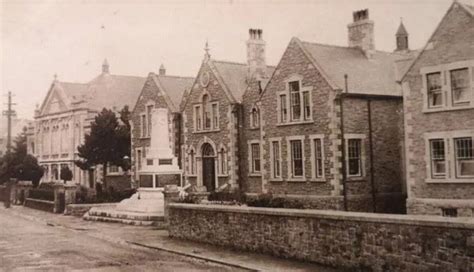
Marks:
<point>64,118</point>
<point>160,91</point>
<point>331,131</point>
<point>212,116</point>
<point>439,119</point>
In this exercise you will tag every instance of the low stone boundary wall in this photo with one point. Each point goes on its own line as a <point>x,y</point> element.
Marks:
<point>364,241</point>
<point>40,204</point>
<point>80,209</point>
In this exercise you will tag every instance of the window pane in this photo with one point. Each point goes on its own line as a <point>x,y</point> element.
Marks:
<point>297,158</point>
<point>464,157</point>
<point>306,106</point>
<point>283,109</point>
<point>438,162</point>
<point>295,106</point>
<point>276,159</point>
<point>255,157</point>
<point>207,112</point>
<point>318,158</point>
<point>197,113</point>
<point>434,89</point>
<point>354,157</point>
<point>255,118</point>
<point>215,116</point>
<point>144,125</point>
<point>460,85</point>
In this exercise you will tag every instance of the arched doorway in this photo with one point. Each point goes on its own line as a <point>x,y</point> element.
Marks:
<point>208,167</point>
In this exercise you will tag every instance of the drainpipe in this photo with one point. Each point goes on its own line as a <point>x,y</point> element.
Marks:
<point>343,146</point>
<point>371,147</point>
<point>237,111</point>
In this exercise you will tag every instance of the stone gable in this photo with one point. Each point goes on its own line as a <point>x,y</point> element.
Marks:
<point>451,43</point>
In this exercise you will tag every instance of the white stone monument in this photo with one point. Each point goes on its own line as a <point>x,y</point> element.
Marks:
<point>160,161</point>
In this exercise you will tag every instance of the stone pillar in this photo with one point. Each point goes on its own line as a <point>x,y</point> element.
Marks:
<point>22,191</point>
<point>7,193</point>
<point>58,195</point>
<point>171,194</point>
<point>69,194</point>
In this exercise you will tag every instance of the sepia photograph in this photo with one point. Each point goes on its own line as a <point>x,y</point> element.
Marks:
<point>237,135</point>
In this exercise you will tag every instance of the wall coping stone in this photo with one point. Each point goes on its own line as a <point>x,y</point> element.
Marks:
<point>420,220</point>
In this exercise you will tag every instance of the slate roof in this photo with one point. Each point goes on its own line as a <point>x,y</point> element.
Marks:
<point>74,91</point>
<point>114,91</point>
<point>377,75</point>
<point>234,76</point>
<point>175,87</point>
<point>401,30</point>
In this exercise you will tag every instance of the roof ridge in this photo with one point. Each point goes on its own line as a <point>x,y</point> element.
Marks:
<point>229,62</point>
<point>328,45</point>
<point>126,76</point>
<point>69,82</point>
<point>182,77</point>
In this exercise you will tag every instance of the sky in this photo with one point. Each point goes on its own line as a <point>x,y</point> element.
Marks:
<point>41,38</point>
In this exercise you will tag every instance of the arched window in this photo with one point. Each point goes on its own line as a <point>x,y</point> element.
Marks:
<point>206,114</point>
<point>207,111</point>
<point>255,118</point>
<point>192,163</point>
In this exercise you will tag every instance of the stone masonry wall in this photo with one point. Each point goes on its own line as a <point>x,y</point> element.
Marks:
<point>217,138</point>
<point>294,62</point>
<point>369,242</point>
<point>452,42</point>
<point>150,94</point>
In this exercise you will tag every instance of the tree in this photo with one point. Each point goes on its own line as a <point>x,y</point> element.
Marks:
<point>108,142</point>
<point>20,165</point>
<point>66,174</point>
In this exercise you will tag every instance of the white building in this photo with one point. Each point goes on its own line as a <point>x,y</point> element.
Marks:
<point>65,116</point>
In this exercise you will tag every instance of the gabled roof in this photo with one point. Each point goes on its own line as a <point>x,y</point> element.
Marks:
<point>174,87</point>
<point>468,8</point>
<point>375,75</point>
<point>234,76</point>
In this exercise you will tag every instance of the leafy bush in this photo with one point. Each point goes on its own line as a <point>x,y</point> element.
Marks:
<point>43,194</point>
<point>268,201</point>
<point>235,196</point>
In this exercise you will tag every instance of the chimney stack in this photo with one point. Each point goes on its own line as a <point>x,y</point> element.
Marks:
<point>162,71</point>
<point>105,67</point>
<point>361,32</point>
<point>256,54</point>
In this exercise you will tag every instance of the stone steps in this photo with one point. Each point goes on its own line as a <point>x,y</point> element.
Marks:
<point>124,217</point>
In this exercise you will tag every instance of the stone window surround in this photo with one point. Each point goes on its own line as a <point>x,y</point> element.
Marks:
<point>272,156</point>
<point>446,91</point>
<point>362,137</point>
<point>144,125</point>
<point>449,154</point>
<point>119,171</point>
<point>289,159</point>
<point>313,157</point>
<point>214,127</point>
<point>251,119</point>
<point>286,92</point>
<point>220,173</point>
<point>250,158</point>
<point>138,158</point>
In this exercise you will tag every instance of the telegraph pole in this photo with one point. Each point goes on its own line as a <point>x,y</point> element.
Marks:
<point>9,113</point>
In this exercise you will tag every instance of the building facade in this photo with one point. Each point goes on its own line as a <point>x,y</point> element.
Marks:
<point>331,131</point>
<point>212,117</point>
<point>159,91</point>
<point>65,116</point>
<point>439,119</point>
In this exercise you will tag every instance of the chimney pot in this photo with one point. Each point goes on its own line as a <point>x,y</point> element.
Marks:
<point>361,32</point>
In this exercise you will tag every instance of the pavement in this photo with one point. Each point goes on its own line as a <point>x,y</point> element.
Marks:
<point>158,241</point>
